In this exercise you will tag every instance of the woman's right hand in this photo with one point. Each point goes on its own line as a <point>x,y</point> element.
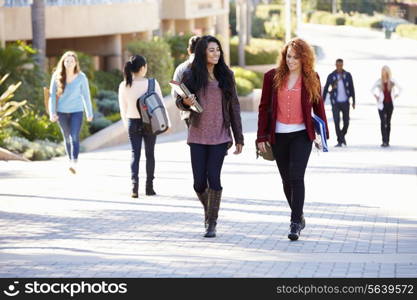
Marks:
<point>189,100</point>
<point>53,118</point>
<point>262,147</point>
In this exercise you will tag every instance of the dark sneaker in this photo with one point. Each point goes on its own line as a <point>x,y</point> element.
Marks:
<point>294,233</point>
<point>338,145</point>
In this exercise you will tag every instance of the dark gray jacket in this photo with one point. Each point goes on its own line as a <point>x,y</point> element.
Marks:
<point>230,109</point>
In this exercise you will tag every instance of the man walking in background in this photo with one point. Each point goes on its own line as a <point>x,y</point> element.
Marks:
<point>342,89</point>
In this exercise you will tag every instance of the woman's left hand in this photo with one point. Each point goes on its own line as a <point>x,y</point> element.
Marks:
<point>238,149</point>
<point>89,119</point>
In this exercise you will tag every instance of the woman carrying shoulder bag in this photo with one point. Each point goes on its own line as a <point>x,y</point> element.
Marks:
<point>209,137</point>
<point>135,85</point>
<point>293,90</point>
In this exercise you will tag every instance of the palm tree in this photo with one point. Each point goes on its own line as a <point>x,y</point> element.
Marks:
<point>38,31</point>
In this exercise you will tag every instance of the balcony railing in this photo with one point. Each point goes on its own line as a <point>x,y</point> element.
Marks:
<point>16,3</point>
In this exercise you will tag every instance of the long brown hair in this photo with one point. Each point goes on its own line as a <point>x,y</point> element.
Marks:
<point>61,72</point>
<point>310,79</point>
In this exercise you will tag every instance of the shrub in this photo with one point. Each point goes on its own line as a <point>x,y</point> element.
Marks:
<point>266,11</point>
<point>8,109</point>
<point>107,102</point>
<point>36,150</point>
<point>99,123</point>
<point>113,117</point>
<point>160,62</point>
<point>244,86</point>
<point>17,60</point>
<point>340,20</point>
<point>407,30</point>
<point>258,27</point>
<point>275,28</point>
<point>248,75</point>
<point>259,52</point>
<point>178,45</point>
<point>39,127</point>
<point>108,80</point>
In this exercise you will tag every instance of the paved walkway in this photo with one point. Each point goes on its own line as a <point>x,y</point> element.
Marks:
<point>360,207</point>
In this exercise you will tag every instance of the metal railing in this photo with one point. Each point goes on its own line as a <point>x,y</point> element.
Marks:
<point>15,3</point>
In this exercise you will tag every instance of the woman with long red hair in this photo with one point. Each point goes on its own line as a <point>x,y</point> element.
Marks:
<point>290,93</point>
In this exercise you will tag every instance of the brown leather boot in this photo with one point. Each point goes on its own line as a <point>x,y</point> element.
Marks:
<point>213,206</point>
<point>203,197</point>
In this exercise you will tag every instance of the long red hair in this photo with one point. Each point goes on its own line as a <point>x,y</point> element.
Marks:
<point>310,79</point>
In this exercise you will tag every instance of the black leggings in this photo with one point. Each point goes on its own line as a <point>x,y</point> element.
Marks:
<point>385,116</point>
<point>136,134</point>
<point>292,151</point>
<point>207,162</point>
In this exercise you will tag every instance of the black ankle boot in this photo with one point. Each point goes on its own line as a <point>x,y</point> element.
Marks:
<point>211,230</point>
<point>203,197</point>
<point>295,229</point>
<point>135,189</point>
<point>149,188</point>
<point>213,206</point>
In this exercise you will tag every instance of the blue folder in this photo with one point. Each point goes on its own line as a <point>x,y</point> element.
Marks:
<point>320,128</point>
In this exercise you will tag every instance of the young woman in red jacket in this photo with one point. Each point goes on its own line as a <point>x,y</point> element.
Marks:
<point>289,95</point>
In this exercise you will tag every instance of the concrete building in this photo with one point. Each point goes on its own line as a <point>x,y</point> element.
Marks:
<point>103,28</point>
<point>403,9</point>
<point>199,17</point>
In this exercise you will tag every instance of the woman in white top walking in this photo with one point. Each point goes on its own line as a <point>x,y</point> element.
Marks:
<point>385,90</point>
<point>134,86</point>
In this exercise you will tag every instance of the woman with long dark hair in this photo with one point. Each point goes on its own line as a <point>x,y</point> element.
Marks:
<point>69,97</point>
<point>135,84</point>
<point>209,137</point>
<point>289,95</point>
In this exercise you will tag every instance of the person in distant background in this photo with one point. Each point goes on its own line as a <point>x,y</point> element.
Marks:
<point>342,89</point>
<point>69,98</point>
<point>385,90</point>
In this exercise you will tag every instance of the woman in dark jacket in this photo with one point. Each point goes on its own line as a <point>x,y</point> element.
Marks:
<point>289,95</point>
<point>212,85</point>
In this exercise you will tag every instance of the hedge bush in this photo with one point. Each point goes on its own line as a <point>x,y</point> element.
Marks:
<point>354,19</point>
<point>407,30</point>
<point>244,86</point>
<point>160,61</point>
<point>178,45</point>
<point>39,127</point>
<point>259,52</point>
<point>99,123</point>
<point>36,150</point>
<point>108,80</point>
<point>248,75</point>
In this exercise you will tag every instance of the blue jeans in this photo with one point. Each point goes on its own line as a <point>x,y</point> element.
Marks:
<point>70,124</point>
<point>136,134</point>
<point>207,162</point>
